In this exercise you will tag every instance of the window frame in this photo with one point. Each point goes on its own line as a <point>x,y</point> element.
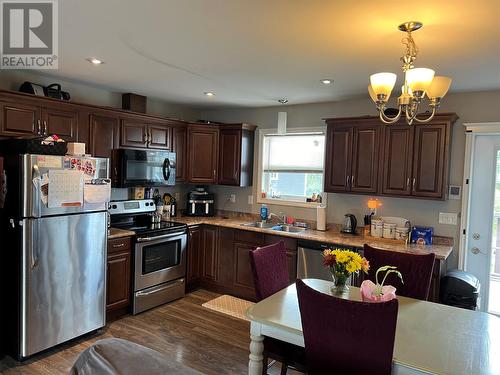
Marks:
<point>260,169</point>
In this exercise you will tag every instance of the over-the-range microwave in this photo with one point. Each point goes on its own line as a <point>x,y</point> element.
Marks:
<point>131,168</point>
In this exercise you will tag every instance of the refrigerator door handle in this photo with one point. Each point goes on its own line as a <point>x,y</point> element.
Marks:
<point>36,174</point>
<point>31,241</point>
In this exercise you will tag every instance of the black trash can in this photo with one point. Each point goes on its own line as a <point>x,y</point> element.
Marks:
<point>460,289</point>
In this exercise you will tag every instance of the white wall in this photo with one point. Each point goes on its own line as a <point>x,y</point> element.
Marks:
<point>84,93</point>
<point>470,107</point>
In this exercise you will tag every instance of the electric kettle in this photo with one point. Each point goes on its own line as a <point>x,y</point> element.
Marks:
<point>350,224</point>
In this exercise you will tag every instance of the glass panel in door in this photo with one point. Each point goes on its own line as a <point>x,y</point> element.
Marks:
<point>161,256</point>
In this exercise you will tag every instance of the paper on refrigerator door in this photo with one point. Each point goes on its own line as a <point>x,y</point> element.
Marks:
<point>97,192</point>
<point>65,188</point>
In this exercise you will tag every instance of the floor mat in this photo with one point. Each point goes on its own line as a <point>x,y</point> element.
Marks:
<point>229,305</point>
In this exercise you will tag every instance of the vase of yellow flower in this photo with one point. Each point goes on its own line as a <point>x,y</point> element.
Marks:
<point>342,264</point>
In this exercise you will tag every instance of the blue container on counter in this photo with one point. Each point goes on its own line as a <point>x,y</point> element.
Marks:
<point>421,235</point>
<point>263,212</point>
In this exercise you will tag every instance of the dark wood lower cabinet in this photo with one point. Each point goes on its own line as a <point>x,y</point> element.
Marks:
<point>219,259</point>
<point>194,251</point>
<point>118,283</point>
<point>210,252</point>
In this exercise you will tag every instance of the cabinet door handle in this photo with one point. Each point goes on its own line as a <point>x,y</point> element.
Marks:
<point>407,183</point>
<point>38,127</point>
<point>45,127</point>
<point>214,174</point>
<point>414,182</point>
<point>348,179</point>
<point>119,245</point>
<point>352,181</point>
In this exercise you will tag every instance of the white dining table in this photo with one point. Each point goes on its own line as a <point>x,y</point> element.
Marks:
<point>430,338</point>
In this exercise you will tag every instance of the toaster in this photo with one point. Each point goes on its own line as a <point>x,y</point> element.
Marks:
<point>200,203</point>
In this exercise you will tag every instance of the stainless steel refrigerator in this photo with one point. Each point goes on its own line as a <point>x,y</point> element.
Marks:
<point>54,255</point>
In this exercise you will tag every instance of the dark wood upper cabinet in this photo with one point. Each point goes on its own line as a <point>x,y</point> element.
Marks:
<point>139,133</point>
<point>203,154</point>
<point>160,136</point>
<point>365,160</point>
<point>397,160</point>
<point>366,156</point>
<point>29,117</point>
<point>20,119</point>
<point>236,143</point>
<point>133,133</point>
<point>429,160</point>
<point>338,159</point>
<point>179,146</point>
<point>103,135</point>
<point>59,121</point>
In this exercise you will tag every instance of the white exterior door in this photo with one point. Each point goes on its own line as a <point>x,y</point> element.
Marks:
<point>482,214</point>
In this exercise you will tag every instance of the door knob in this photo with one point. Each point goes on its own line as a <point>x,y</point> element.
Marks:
<point>475,250</point>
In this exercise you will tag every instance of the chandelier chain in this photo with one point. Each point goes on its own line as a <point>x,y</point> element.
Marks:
<point>410,53</point>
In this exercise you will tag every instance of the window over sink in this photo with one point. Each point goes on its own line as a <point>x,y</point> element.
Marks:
<point>291,167</point>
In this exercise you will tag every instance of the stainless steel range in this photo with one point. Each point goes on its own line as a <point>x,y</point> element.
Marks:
<point>159,268</point>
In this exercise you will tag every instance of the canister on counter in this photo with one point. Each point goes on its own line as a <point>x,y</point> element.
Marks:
<point>402,233</point>
<point>377,226</point>
<point>389,231</point>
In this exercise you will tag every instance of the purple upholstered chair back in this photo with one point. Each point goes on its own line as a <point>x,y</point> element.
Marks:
<point>270,269</point>
<point>346,337</point>
<point>416,270</point>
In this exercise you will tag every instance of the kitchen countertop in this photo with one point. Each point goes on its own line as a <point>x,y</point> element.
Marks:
<point>442,249</point>
<point>119,233</point>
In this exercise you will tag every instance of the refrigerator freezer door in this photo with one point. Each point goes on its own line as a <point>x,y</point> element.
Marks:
<point>63,279</point>
<point>34,167</point>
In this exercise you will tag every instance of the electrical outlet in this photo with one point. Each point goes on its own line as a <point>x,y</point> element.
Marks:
<point>232,198</point>
<point>448,218</point>
<point>250,199</point>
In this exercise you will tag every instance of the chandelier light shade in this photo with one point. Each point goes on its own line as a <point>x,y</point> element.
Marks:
<point>383,83</point>
<point>419,79</point>
<point>418,83</point>
<point>439,87</point>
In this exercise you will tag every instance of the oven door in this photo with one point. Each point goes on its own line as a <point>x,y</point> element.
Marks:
<point>146,168</point>
<point>159,259</point>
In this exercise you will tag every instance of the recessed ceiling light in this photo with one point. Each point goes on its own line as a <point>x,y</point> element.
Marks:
<point>94,60</point>
<point>326,81</point>
<point>283,101</point>
<point>209,93</point>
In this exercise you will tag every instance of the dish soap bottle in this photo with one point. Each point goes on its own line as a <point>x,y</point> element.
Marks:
<point>263,212</point>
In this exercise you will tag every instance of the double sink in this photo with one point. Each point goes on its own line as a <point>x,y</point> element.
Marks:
<point>276,227</point>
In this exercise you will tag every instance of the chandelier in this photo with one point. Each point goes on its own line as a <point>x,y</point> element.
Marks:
<point>419,82</point>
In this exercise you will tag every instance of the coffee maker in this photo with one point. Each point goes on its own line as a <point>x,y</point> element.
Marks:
<point>200,202</point>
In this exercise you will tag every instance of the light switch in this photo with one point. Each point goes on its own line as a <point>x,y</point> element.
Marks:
<point>250,199</point>
<point>448,218</point>
<point>232,198</point>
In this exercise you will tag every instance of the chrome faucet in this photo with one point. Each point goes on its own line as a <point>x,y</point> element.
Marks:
<point>281,217</point>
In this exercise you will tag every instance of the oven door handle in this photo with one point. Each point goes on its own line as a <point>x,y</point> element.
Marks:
<point>148,239</point>
<point>166,169</point>
<point>160,289</point>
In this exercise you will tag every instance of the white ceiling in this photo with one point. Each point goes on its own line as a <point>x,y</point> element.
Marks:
<point>253,52</point>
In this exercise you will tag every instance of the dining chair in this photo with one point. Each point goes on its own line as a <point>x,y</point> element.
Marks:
<point>416,271</point>
<point>270,275</point>
<point>346,337</point>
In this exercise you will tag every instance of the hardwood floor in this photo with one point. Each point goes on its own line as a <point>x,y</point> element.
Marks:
<point>199,338</point>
